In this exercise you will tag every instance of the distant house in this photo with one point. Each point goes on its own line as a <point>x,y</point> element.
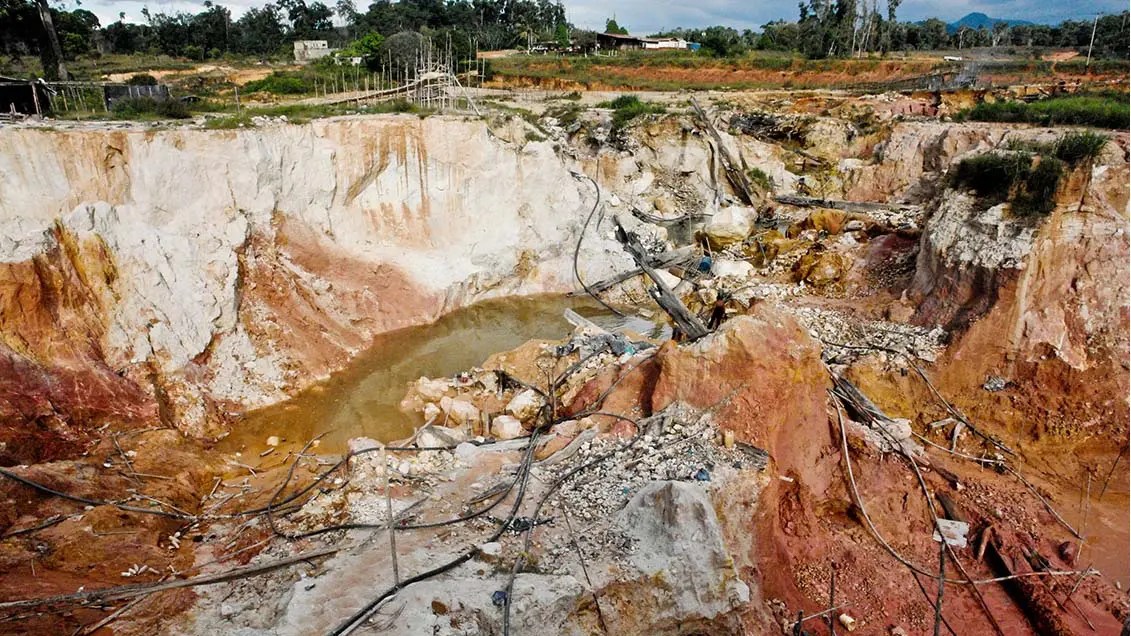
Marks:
<point>665,43</point>
<point>310,50</point>
<point>617,42</point>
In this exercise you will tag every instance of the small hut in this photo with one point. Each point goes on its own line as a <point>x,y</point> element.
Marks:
<point>25,97</point>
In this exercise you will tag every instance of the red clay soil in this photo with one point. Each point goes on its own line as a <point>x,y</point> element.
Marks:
<point>94,547</point>
<point>54,387</point>
<point>831,74</point>
<point>806,525</point>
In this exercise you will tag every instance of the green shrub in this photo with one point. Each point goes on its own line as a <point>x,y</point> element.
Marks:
<point>395,106</point>
<point>1030,146</point>
<point>759,178</point>
<point>279,83</point>
<point>991,175</point>
<point>625,101</point>
<point>142,79</point>
<point>629,107</point>
<point>149,108</point>
<point>1037,193</point>
<point>1076,148</point>
<point>1103,111</point>
<point>1029,187</point>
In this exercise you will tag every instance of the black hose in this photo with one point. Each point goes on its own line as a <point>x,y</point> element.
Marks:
<point>577,249</point>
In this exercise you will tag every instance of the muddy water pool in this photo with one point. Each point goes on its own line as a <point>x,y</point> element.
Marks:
<point>364,398</point>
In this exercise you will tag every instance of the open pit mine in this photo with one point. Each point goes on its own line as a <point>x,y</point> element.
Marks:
<point>764,363</point>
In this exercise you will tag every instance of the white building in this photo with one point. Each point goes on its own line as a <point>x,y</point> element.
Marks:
<point>309,50</point>
<point>665,43</point>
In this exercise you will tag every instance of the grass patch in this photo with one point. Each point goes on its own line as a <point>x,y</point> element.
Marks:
<point>1029,185</point>
<point>629,107</point>
<point>567,116</point>
<point>303,113</point>
<point>759,178</point>
<point>1030,146</point>
<point>1077,148</point>
<point>1101,110</point>
<point>1073,148</point>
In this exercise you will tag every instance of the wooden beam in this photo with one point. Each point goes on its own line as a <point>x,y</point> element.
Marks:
<point>659,261</point>
<point>688,322</point>
<point>847,206</point>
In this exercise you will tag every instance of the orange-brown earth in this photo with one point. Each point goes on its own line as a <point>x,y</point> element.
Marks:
<point>1063,410</point>
<point>561,75</point>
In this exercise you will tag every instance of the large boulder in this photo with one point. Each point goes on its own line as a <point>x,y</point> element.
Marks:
<point>760,373</point>
<point>730,225</point>
<point>679,552</point>
<point>821,268</point>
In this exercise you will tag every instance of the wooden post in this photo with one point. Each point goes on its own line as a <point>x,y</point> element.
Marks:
<point>35,98</point>
<point>1088,64</point>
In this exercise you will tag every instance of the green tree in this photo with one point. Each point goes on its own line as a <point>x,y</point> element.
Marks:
<point>721,41</point>
<point>308,21</point>
<point>261,30</point>
<point>933,34</point>
<point>611,26</point>
<point>561,35</point>
<point>368,48</point>
<point>401,50</point>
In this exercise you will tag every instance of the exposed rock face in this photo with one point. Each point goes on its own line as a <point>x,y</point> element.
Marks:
<point>679,551</point>
<point>762,376</point>
<point>966,254</point>
<point>1054,318</point>
<point>913,157</point>
<point>761,373</point>
<point>230,268</point>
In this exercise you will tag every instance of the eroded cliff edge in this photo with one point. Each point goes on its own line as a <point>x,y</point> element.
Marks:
<point>188,273</point>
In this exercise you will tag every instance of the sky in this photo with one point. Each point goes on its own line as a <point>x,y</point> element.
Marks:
<point>649,16</point>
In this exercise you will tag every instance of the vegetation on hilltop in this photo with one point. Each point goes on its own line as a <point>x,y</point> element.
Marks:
<point>1027,174</point>
<point>840,28</point>
<point>1103,110</point>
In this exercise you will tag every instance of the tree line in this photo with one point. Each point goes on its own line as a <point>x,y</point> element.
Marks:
<point>843,28</point>
<point>267,30</point>
<point>824,28</point>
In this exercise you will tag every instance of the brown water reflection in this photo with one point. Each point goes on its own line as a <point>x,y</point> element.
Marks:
<point>363,399</point>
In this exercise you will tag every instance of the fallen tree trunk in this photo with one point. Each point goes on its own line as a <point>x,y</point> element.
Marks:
<point>1040,606</point>
<point>863,207</point>
<point>659,261</point>
<point>733,170</point>
<point>688,322</point>
<point>665,221</point>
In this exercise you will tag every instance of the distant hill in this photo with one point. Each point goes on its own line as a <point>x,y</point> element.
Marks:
<point>979,20</point>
